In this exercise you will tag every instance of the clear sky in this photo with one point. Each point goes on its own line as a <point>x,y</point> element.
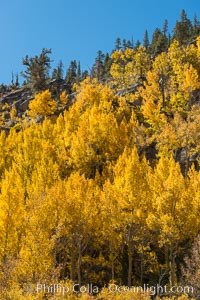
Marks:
<point>77,29</point>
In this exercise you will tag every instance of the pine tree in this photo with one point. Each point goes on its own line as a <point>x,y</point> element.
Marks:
<point>183,29</point>
<point>98,67</point>
<point>107,65</point>
<point>118,44</point>
<point>124,44</point>
<point>58,72</point>
<point>146,40</point>
<point>159,42</point>
<point>71,73</point>
<point>137,44</point>
<point>17,81</point>
<point>196,26</point>
<point>36,73</point>
<point>84,75</point>
<point>78,73</point>
<point>129,44</point>
<point>165,28</point>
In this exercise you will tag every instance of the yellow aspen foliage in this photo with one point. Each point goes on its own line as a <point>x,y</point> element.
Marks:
<point>79,200</point>
<point>91,92</point>
<point>35,258</point>
<point>184,79</point>
<point>191,80</point>
<point>42,105</point>
<point>9,148</point>
<point>5,107</point>
<point>129,66</point>
<point>33,145</point>
<point>142,61</point>
<point>183,83</point>
<point>82,218</point>
<point>61,144</point>
<point>162,64</point>
<point>129,194</point>
<point>2,118</point>
<point>181,132</point>
<point>167,188</point>
<point>11,214</point>
<point>164,201</point>
<point>2,152</point>
<point>172,213</point>
<point>112,220</point>
<point>75,209</point>
<point>162,68</point>
<point>192,55</point>
<point>198,47</point>
<point>156,92</point>
<point>169,88</point>
<point>117,69</point>
<point>193,198</point>
<point>64,98</point>
<point>131,173</point>
<point>45,173</point>
<point>175,54</point>
<point>98,141</point>
<point>13,113</point>
<point>94,132</point>
<point>152,101</point>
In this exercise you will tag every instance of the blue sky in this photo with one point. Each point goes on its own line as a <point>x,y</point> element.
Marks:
<point>77,29</point>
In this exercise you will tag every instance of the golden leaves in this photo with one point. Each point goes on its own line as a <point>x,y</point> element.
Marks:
<point>42,105</point>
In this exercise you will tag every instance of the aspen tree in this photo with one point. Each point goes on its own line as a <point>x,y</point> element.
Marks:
<point>12,214</point>
<point>129,66</point>
<point>42,105</point>
<point>131,190</point>
<point>171,209</point>
<point>80,219</point>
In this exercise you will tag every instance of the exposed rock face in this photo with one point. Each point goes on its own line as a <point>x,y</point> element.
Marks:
<point>21,105</point>
<point>20,98</point>
<point>17,95</point>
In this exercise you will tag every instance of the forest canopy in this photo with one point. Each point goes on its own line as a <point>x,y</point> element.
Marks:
<point>99,173</point>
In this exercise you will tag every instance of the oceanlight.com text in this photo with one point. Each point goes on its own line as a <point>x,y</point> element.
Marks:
<point>113,288</point>
<point>153,290</point>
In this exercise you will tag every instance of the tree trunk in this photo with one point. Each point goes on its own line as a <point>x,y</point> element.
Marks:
<point>113,267</point>
<point>172,266</point>
<point>130,254</point>
<point>79,265</point>
<point>73,266</point>
<point>142,267</point>
<point>130,265</point>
